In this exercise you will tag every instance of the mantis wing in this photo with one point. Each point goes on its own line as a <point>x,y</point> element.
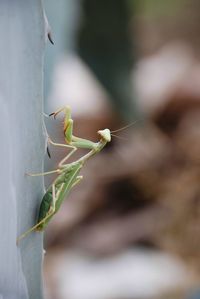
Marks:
<point>63,184</point>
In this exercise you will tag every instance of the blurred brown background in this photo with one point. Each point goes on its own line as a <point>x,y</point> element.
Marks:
<point>131,228</point>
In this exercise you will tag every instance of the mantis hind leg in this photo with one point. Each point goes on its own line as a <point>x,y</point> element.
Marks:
<point>78,179</point>
<point>43,173</point>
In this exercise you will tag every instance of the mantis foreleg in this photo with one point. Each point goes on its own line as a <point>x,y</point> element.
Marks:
<point>70,139</point>
<point>59,144</point>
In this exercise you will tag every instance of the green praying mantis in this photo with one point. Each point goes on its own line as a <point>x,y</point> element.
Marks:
<point>68,173</point>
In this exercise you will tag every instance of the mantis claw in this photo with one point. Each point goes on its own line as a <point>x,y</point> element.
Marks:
<point>57,112</point>
<point>53,114</point>
<point>48,153</point>
<point>27,174</point>
<point>46,115</point>
<point>50,37</point>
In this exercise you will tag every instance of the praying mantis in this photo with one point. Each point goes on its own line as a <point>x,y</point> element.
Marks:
<point>68,173</point>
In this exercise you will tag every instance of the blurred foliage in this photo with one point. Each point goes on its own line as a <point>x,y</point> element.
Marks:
<point>153,8</point>
<point>143,189</point>
<point>104,43</point>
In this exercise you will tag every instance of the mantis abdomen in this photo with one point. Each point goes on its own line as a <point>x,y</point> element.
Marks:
<point>44,209</point>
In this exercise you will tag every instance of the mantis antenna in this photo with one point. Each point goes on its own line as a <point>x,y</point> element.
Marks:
<point>125,127</point>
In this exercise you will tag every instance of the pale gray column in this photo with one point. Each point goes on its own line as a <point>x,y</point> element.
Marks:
<point>22,40</point>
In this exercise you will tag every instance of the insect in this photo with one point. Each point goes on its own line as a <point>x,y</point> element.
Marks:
<point>68,174</point>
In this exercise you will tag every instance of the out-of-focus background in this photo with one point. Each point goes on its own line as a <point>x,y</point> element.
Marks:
<point>131,228</point>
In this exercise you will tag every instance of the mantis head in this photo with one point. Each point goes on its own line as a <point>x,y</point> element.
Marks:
<point>105,134</point>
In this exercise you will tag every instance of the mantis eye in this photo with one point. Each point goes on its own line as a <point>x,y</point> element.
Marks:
<point>105,134</point>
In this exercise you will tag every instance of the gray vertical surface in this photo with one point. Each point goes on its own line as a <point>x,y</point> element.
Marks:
<point>63,16</point>
<point>22,40</point>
